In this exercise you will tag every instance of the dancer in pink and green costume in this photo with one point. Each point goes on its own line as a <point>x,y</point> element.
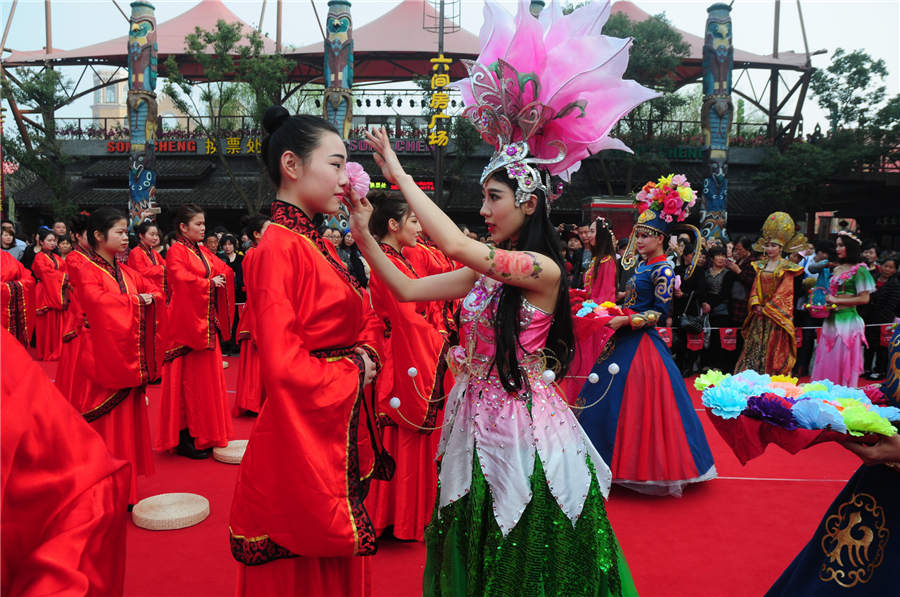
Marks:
<point>839,354</point>
<point>520,508</point>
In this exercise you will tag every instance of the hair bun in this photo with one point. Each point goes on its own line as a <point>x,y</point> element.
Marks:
<point>274,118</point>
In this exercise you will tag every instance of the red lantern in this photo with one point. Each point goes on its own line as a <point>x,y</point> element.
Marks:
<point>666,335</point>
<point>728,336</point>
<point>798,337</point>
<point>695,341</point>
<point>887,330</point>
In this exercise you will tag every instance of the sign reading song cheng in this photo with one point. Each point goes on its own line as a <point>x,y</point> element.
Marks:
<point>251,145</point>
<point>159,147</point>
<point>400,146</point>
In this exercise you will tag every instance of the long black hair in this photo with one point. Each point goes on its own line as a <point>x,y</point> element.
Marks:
<point>604,241</point>
<point>852,247</point>
<point>298,134</point>
<point>538,236</point>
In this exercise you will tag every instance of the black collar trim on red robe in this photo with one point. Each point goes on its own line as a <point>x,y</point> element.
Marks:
<point>293,218</point>
<point>389,250</point>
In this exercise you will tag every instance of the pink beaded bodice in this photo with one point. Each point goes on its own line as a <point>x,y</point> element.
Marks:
<point>478,345</point>
<point>509,430</point>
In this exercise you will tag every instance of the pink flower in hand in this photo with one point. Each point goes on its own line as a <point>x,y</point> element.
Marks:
<point>359,180</point>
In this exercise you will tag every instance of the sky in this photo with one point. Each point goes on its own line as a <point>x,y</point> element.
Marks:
<point>871,25</point>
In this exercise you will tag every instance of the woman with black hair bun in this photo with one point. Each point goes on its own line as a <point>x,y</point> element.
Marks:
<point>412,353</point>
<point>297,518</point>
<point>121,354</point>
<point>146,259</point>
<point>194,409</point>
<point>249,394</point>
<point>74,328</point>
<point>839,352</point>
<point>51,297</point>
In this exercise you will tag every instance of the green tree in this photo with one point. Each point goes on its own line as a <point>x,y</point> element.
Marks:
<point>796,179</point>
<point>43,91</point>
<point>657,53</point>
<point>238,82</point>
<point>850,88</point>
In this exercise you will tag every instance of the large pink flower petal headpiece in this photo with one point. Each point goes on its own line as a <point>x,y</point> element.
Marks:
<point>546,92</point>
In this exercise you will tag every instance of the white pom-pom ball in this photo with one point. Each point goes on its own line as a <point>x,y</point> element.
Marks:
<point>412,371</point>
<point>395,403</point>
<point>613,368</point>
<point>549,376</point>
<point>593,378</point>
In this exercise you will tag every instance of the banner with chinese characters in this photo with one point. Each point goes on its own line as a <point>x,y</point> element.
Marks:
<point>440,99</point>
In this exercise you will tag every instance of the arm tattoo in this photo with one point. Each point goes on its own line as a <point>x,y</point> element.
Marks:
<point>507,264</point>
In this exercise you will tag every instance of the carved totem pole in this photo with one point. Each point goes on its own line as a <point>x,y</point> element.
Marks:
<point>716,115</point>
<point>142,113</point>
<point>338,104</point>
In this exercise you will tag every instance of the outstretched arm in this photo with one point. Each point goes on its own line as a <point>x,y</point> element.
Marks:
<point>450,285</point>
<point>525,269</point>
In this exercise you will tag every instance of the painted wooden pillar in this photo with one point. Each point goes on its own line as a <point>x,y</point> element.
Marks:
<point>142,111</point>
<point>338,104</point>
<point>716,116</point>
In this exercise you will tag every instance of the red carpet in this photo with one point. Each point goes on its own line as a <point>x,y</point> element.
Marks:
<point>730,537</point>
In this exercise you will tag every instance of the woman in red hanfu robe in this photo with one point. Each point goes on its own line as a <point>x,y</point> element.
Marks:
<point>194,408</point>
<point>429,260</point>
<point>298,517</point>
<point>74,328</point>
<point>51,297</point>
<point>16,298</point>
<point>63,496</point>
<point>412,342</point>
<point>121,355</point>
<point>250,395</point>
<point>146,260</point>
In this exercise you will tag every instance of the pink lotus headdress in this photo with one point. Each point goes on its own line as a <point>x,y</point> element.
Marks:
<point>546,92</point>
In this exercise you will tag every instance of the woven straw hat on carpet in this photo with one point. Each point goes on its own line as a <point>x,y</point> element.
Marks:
<point>232,453</point>
<point>170,511</point>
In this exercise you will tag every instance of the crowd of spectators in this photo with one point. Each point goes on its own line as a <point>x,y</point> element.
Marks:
<point>717,291</point>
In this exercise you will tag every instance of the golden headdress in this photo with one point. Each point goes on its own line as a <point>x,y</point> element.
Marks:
<point>779,228</point>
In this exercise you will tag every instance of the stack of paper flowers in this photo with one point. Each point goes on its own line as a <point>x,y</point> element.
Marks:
<point>588,316</point>
<point>751,410</point>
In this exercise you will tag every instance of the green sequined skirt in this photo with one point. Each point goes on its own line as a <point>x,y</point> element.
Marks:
<point>542,556</point>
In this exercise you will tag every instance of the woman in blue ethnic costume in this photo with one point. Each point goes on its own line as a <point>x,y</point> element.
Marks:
<point>639,414</point>
<point>520,508</point>
<point>856,548</point>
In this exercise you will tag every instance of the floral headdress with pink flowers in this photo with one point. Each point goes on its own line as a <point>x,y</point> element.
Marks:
<point>670,199</point>
<point>663,206</point>
<point>546,91</point>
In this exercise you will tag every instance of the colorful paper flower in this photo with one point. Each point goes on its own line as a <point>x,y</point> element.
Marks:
<point>359,179</point>
<point>816,414</point>
<point>772,408</point>
<point>709,379</point>
<point>725,402</point>
<point>785,378</point>
<point>680,180</point>
<point>789,389</point>
<point>860,420</point>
